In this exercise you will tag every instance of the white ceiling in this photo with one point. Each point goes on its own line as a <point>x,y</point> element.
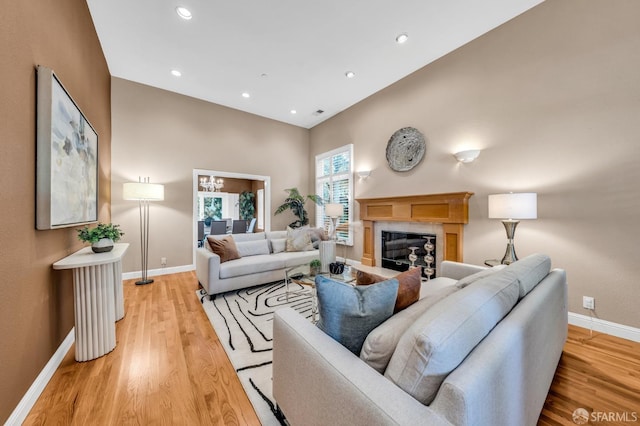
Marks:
<point>287,54</point>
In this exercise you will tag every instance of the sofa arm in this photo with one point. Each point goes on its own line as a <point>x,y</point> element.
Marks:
<point>207,269</point>
<point>458,270</point>
<point>317,381</point>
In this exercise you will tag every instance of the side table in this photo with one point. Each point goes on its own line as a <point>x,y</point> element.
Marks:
<point>98,298</point>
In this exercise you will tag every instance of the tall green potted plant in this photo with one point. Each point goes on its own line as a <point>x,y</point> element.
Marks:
<point>295,202</point>
<point>247,208</point>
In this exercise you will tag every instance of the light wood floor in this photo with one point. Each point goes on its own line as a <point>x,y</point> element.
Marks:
<point>168,368</point>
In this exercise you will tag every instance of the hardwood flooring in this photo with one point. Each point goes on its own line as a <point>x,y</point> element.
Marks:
<point>169,368</point>
<point>599,373</point>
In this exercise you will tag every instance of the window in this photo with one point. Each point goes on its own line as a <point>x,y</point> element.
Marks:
<point>334,183</point>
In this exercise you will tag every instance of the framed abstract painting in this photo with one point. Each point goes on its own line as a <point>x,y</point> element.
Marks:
<point>66,158</point>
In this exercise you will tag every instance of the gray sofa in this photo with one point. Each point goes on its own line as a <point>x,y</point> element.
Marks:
<point>502,380</point>
<point>256,266</point>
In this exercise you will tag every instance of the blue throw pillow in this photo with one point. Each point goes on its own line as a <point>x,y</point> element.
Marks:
<point>348,313</point>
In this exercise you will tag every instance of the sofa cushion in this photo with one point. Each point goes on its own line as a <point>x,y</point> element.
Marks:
<point>278,245</point>
<point>298,239</point>
<point>252,248</point>
<point>470,279</point>
<point>382,341</point>
<point>296,258</point>
<point>249,236</point>
<point>408,289</point>
<point>251,265</point>
<point>276,234</point>
<point>348,313</point>
<point>530,271</point>
<point>434,285</point>
<point>225,248</point>
<point>444,335</point>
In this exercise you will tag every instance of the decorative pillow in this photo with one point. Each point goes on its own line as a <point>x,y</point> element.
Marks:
<point>317,235</point>
<point>443,336</point>
<point>382,341</point>
<point>348,313</point>
<point>252,248</point>
<point>408,289</point>
<point>278,245</point>
<point>298,239</point>
<point>225,248</point>
<point>470,279</point>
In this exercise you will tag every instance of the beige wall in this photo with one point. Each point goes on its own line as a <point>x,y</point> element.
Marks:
<point>553,100</point>
<point>36,303</point>
<point>165,136</point>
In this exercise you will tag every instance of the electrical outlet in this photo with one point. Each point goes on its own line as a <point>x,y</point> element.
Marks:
<point>163,261</point>
<point>588,303</point>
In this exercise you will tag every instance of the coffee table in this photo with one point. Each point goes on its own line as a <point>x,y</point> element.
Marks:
<point>301,274</point>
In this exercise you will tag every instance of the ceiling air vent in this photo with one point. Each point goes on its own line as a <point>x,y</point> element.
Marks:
<point>318,112</point>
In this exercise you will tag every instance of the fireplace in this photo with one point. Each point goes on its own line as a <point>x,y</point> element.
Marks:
<point>448,212</point>
<point>402,250</point>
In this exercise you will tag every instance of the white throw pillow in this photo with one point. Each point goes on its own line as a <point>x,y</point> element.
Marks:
<point>298,239</point>
<point>278,245</point>
<point>252,248</point>
<point>443,336</point>
<point>382,341</point>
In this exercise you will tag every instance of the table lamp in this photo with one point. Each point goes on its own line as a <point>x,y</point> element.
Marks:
<point>512,208</point>
<point>335,212</point>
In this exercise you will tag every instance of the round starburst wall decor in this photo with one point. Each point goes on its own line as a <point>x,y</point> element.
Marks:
<point>405,149</point>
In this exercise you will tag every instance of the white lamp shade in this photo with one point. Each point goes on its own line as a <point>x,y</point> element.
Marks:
<point>143,191</point>
<point>334,210</point>
<point>513,206</point>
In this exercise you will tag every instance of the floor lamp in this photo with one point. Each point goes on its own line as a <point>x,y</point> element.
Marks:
<point>511,208</point>
<point>143,192</point>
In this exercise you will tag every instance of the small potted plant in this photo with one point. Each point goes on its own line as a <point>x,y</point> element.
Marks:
<point>101,237</point>
<point>314,267</point>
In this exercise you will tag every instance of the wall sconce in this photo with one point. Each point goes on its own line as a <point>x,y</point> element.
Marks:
<point>467,156</point>
<point>363,174</point>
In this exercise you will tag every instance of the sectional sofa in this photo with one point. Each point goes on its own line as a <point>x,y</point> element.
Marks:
<point>480,348</point>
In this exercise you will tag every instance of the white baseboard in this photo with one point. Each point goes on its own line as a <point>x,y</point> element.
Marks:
<point>35,390</point>
<point>158,272</point>
<point>603,326</point>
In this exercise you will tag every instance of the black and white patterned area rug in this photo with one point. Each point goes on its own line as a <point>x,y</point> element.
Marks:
<point>243,321</point>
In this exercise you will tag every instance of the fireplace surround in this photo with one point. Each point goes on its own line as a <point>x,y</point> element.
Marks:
<point>451,210</point>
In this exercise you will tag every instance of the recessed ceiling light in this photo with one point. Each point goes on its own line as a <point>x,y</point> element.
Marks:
<point>293,111</point>
<point>183,12</point>
<point>350,74</point>
<point>176,73</point>
<point>246,95</point>
<point>402,38</point>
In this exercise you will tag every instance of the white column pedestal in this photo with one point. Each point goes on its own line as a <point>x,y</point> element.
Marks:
<point>327,255</point>
<point>97,289</point>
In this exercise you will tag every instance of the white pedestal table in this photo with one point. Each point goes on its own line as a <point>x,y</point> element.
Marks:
<point>98,298</point>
